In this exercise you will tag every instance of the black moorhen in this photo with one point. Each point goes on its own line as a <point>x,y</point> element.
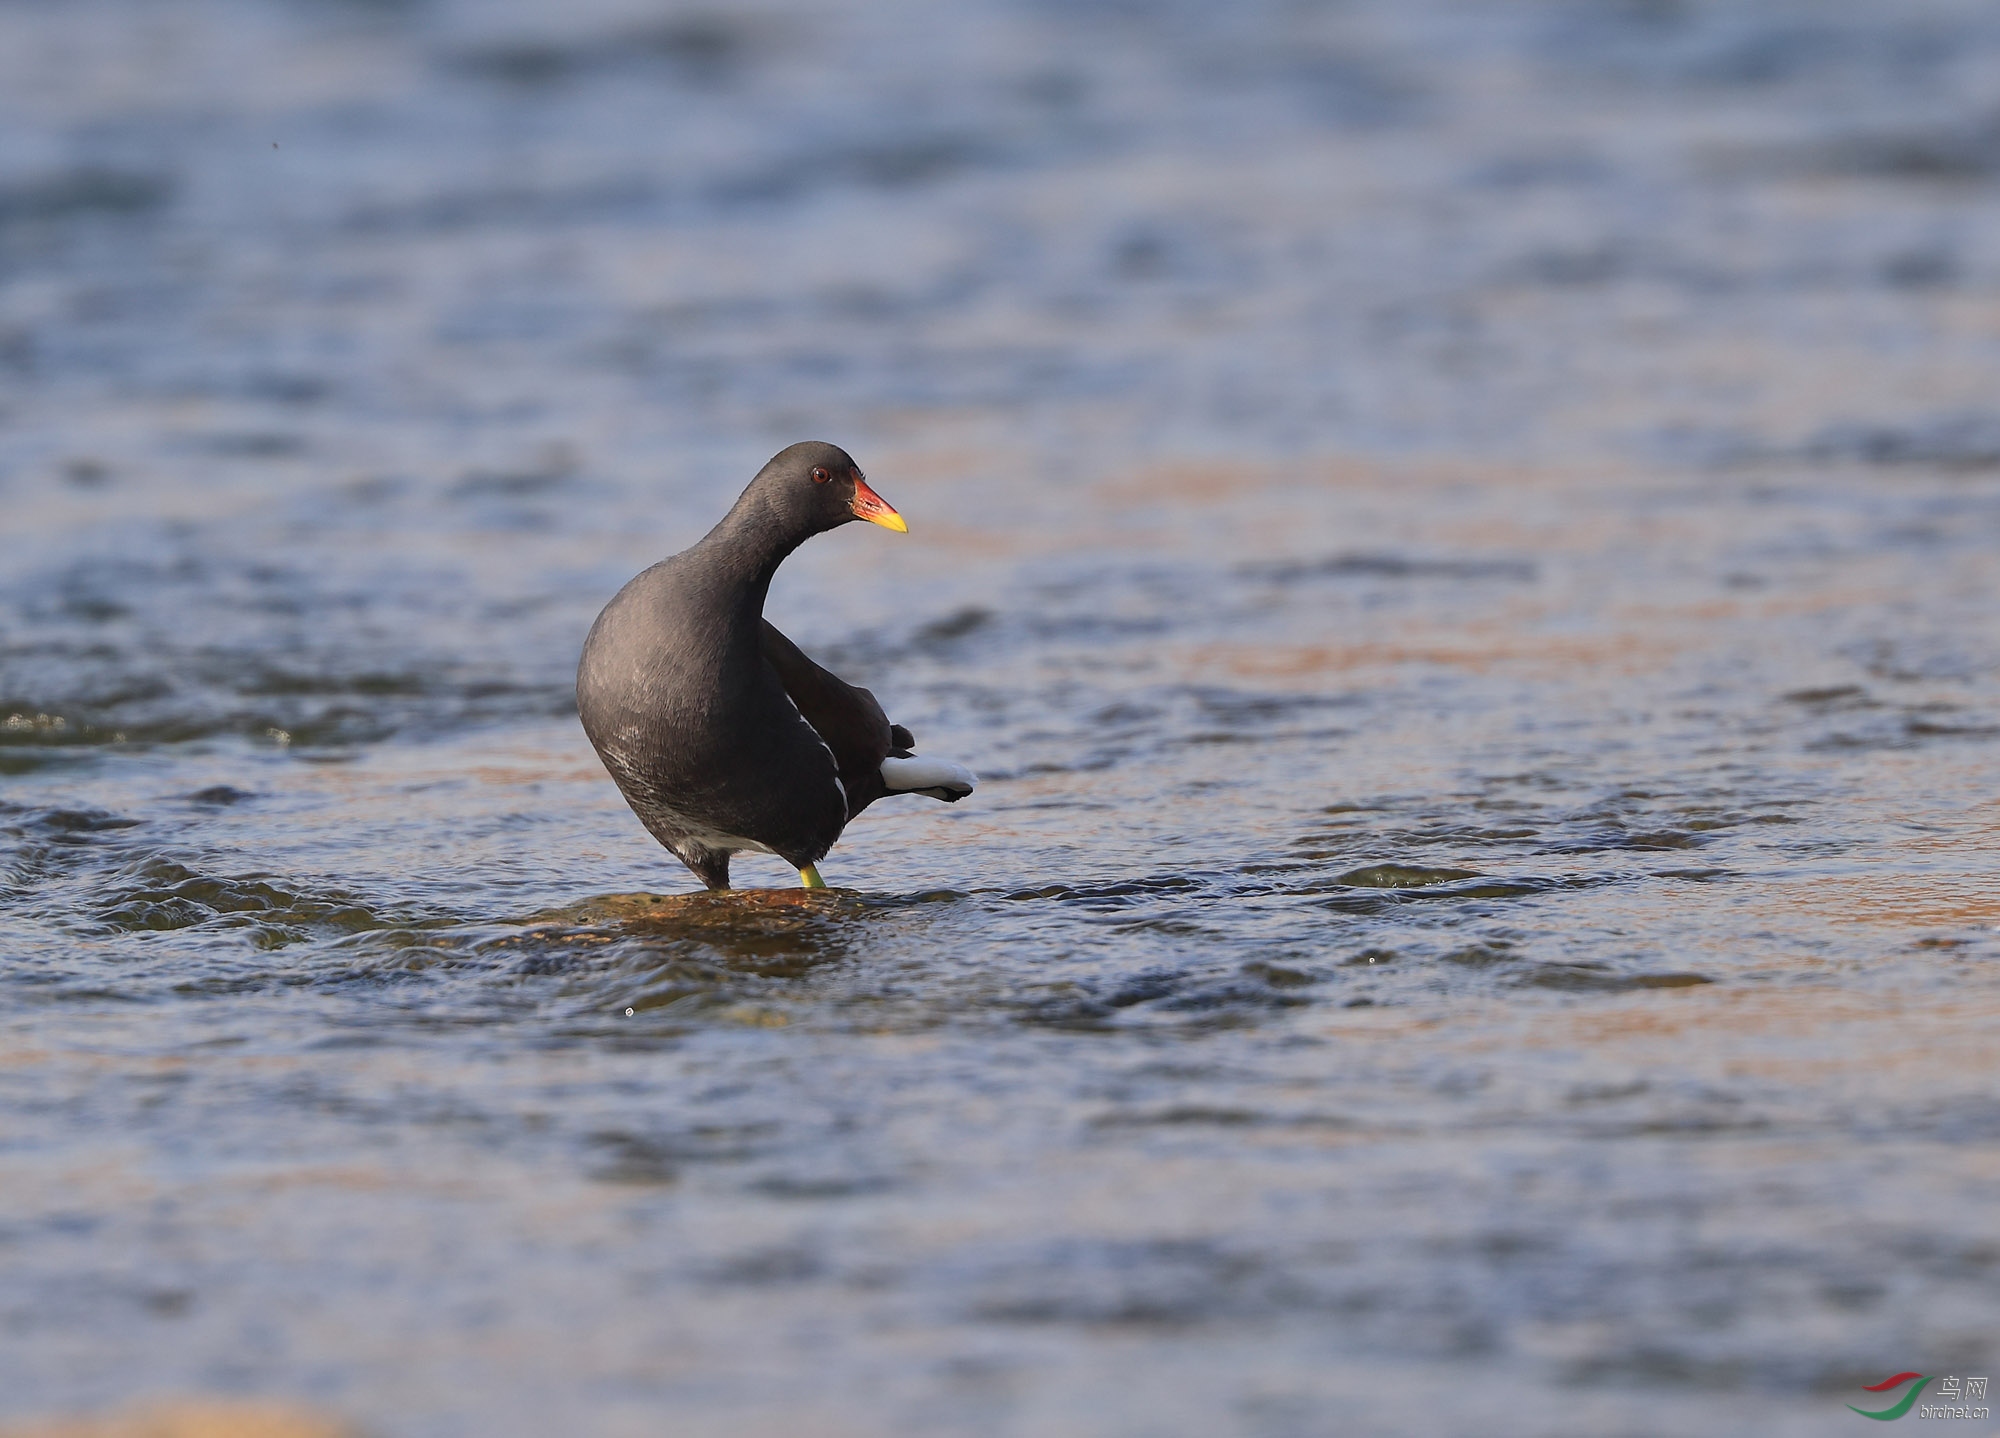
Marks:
<point>721,734</point>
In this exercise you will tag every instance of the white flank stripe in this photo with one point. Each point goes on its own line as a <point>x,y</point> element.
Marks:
<point>831,757</point>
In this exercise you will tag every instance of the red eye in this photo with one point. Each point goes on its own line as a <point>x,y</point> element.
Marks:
<point>820,476</point>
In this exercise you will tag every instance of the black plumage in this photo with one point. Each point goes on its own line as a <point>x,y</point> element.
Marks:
<point>720,732</point>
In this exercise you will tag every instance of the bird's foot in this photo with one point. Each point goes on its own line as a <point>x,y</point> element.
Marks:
<point>809,878</point>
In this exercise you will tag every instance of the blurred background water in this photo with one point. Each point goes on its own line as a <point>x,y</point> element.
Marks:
<point>1460,537</point>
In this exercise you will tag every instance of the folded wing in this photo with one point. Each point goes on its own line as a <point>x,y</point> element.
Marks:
<point>848,719</point>
<point>873,756</point>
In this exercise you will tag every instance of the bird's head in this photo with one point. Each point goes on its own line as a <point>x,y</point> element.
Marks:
<point>812,487</point>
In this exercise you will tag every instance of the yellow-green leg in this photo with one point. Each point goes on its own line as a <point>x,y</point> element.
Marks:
<point>809,878</point>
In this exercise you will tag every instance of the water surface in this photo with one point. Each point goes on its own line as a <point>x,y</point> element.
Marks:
<point>1459,537</point>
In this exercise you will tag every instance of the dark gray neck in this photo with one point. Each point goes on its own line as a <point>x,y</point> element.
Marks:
<point>752,541</point>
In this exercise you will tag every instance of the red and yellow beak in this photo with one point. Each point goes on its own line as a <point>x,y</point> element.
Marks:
<point>869,505</point>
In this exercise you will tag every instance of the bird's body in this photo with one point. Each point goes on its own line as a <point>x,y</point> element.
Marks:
<point>721,734</point>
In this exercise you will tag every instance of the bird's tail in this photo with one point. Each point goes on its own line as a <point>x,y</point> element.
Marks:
<point>939,778</point>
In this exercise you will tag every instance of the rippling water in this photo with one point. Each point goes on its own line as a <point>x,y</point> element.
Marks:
<point>1460,538</point>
